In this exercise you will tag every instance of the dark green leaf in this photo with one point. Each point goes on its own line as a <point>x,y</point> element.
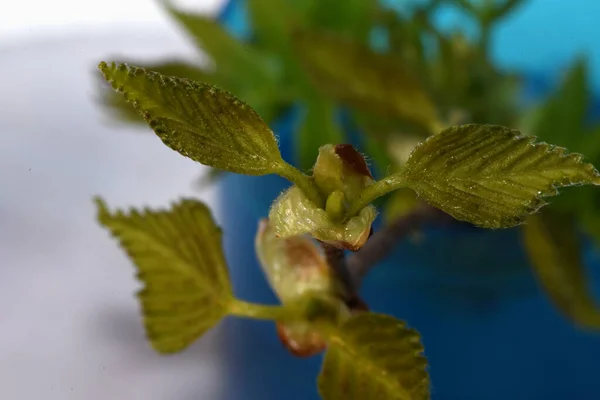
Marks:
<point>374,356</point>
<point>555,252</point>
<point>352,18</point>
<point>198,120</point>
<point>354,74</point>
<point>179,259</point>
<point>561,120</point>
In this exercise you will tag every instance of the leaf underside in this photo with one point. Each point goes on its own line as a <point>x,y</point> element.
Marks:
<point>178,257</point>
<point>200,121</point>
<point>555,252</point>
<point>491,176</point>
<point>374,356</point>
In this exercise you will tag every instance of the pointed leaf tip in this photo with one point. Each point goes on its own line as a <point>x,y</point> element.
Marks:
<point>489,175</point>
<point>198,120</point>
<point>179,259</point>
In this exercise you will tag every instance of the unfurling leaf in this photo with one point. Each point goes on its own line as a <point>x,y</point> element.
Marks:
<point>354,74</point>
<point>296,268</point>
<point>374,356</point>
<point>179,259</point>
<point>489,175</point>
<point>552,245</point>
<point>198,120</point>
<point>294,265</point>
<point>341,168</point>
<point>293,213</point>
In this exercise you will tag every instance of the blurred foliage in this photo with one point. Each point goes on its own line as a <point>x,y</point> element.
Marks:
<point>402,79</point>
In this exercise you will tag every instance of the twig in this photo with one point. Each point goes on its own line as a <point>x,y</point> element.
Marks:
<point>384,240</point>
<point>337,261</point>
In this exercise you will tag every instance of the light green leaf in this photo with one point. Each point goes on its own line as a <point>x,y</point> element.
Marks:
<point>179,259</point>
<point>487,175</point>
<point>354,74</point>
<point>374,356</point>
<point>490,175</point>
<point>118,106</point>
<point>200,121</point>
<point>555,252</point>
<point>292,213</point>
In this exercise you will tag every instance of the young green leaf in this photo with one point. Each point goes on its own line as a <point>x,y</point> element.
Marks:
<point>292,213</point>
<point>118,106</point>
<point>179,259</point>
<point>487,175</point>
<point>554,250</point>
<point>198,120</point>
<point>296,268</point>
<point>354,74</point>
<point>373,356</point>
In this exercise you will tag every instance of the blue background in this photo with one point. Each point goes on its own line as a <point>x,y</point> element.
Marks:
<point>489,332</point>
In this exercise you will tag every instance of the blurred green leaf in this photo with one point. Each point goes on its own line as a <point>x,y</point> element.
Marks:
<point>400,203</point>
<point>373,356</point>
<point>553,247</point>
<point>351,18</point>
<point>487,175</point>
<point>199,121</point>
<point>317,129</point>
<point>179,259</point>
<point>118,106</point>
<point>353,74</point>
<point>272,23</point>
<point>562,118</point>
<point>239,67</point>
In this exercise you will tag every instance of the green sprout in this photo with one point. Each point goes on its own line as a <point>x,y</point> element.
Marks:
<point>491,176</point>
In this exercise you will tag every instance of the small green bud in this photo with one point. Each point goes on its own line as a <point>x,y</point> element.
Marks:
<point>335,206</point>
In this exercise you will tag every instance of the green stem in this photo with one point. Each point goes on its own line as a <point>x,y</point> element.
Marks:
<point>304,182</point>
<point>244,309</point>
<point>377,189</point>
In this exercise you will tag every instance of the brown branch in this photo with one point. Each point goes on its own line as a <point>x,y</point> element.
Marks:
<point>381,243</point>
<point>337,261</point>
